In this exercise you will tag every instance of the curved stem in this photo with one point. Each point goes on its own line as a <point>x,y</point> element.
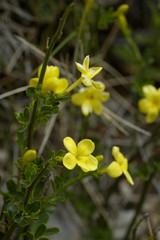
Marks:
<point>55,38</point>
<point>139,206</point>
<point>10,231</point>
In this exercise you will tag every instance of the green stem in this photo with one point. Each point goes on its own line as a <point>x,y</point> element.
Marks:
<point>55,38</point>
<point>30,189</point>
<point>10,231</point>
<point>139,206</point>
<point>79,35</point>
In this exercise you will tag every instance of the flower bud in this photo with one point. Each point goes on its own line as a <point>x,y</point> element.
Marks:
<point>29,156</point>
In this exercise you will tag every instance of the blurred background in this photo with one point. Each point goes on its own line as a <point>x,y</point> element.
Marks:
<point>97,209</point>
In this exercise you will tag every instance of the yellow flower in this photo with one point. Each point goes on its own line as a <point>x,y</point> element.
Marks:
<point>118,167</point>
<point>29,156</point>
<point>150,105</point>
<point>80,155</point>
<point>51,81</point>
<point>88,73</point>
<point>90,99</point>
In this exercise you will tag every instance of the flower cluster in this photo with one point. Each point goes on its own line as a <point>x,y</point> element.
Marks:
<point>51,81</point>
<point>90,99</point>
<point>150,105</point>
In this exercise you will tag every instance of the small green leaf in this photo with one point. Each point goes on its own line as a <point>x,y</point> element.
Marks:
<point>19,196</point>
<point>33,207</point>
<point>26,114</point>
<point>43,217</point>
<point>30,91</point>
<point>40,230</point>
<point>43,238</point>
<point>30,172</point>
<point>51,231</point>
<point>29,236</point>
<point>38,189</point>
<point>20,220</point>
<point>11,186</point>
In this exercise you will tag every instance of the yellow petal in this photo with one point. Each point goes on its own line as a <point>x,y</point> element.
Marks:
<point>152,115</point>
<point>69,161</point>
<point>114,170</point>
<point>70,145</point>
<point>60,85</point>
<point>115,152</point>
<point>100,158</point>
<point>52,71</point>
<point>80,68</point>
<point>39,70</point>
<point>85,147</point>
<point>29,156</point>
<point>98,85</point>
<point>149,91</point>
<point>88,163</point>
<point>128,176</point>
<point>34,82</point>
<point>121,160</point>
<point>78,98</point>
<point>86,108</point>
<point>97,107</point>
<point>54,84</point>
<point>144,105</point>
<point>94,71</point>
<point>104,96</point>
<point>86,80</point>
<point>86,62</point>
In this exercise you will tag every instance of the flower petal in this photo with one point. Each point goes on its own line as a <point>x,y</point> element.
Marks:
<point>94,71</point>
<point>115,152</point>
<point>114,170</point>
<point>97,107</point>
<point>86,80</point>
<point>88,163</point>
<point>52,71</point>
<point>152,115</point>
<point>104,96</point>
<point>149,91</point>
<point>128,176</point>
<point>86,62</point>
<point>86,109</point>
<point>144,105</point>
<point>69,161</point>
<point>78,98</point>
<point>85,147</point>
<point>54,84</point>
<point>70,145</point>
<point>98,85</point>
<point>60,85</point>
<point>34,82</point>
<point>80,68</point>
<point>121,160</point>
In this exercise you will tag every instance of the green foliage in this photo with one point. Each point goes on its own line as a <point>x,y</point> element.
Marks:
<point>106,17</point>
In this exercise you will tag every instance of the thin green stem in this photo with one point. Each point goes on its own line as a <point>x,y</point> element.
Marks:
<point>10,231</point>
<point>31,187</point>
<point>79,35</point>
<point>54,39</point>
<point>139,206</point>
